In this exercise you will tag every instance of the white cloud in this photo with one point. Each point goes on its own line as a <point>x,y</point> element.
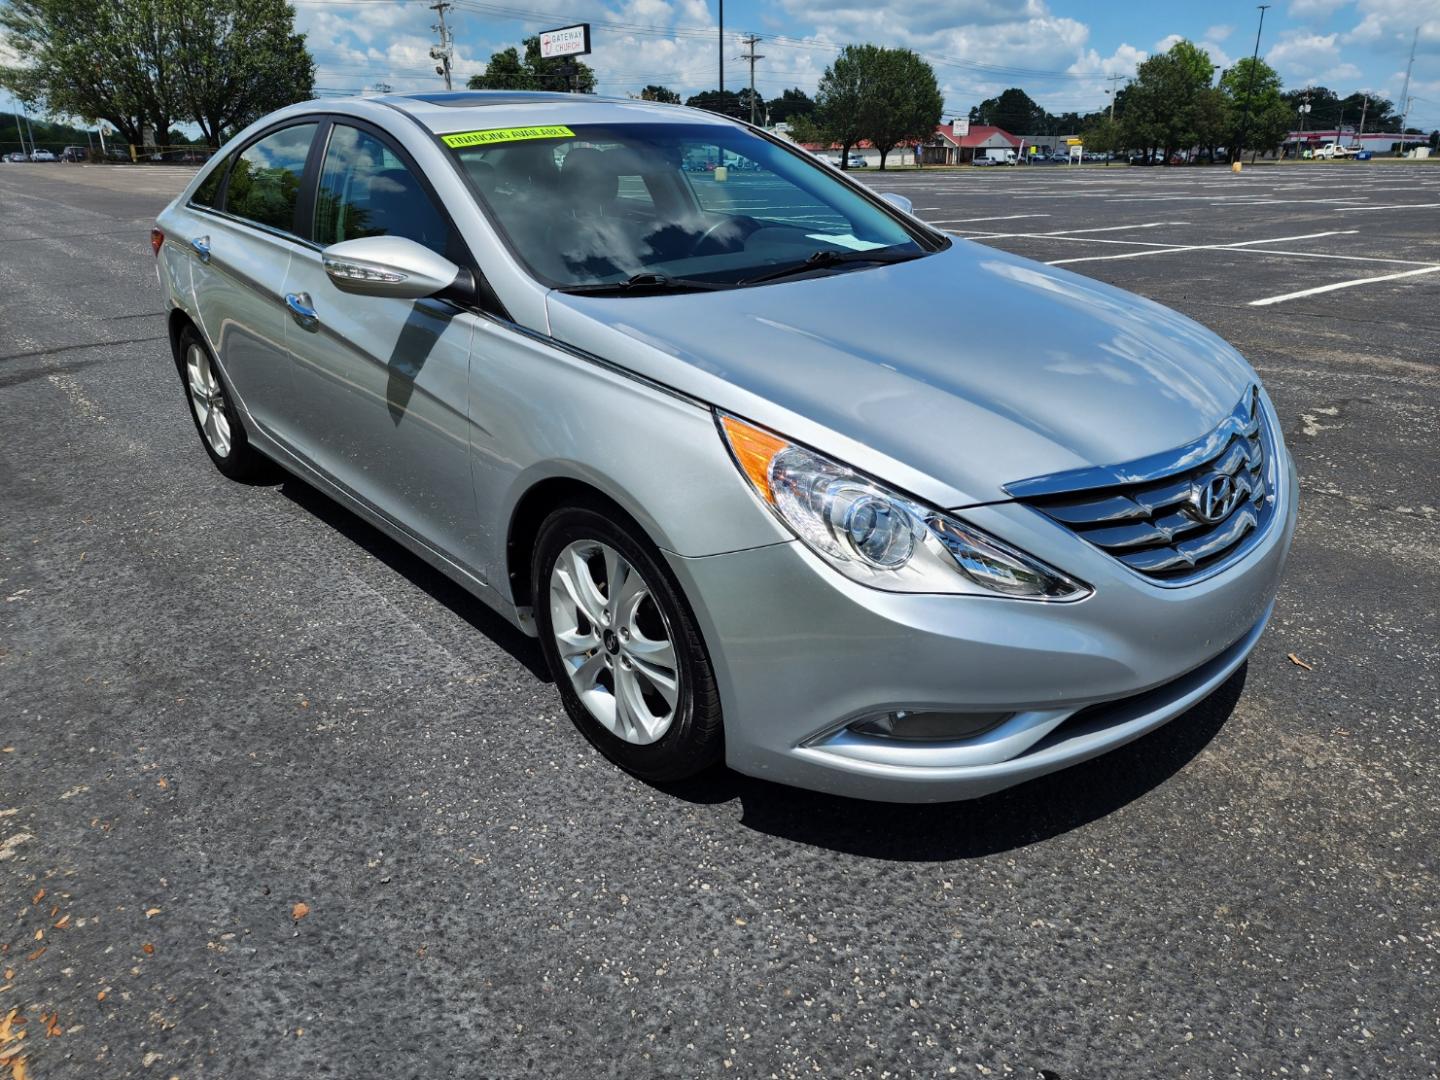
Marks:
<point>1305,57</point>
<point>1219,33</point>
<point>1314,10</point>
<point>1390,24</point>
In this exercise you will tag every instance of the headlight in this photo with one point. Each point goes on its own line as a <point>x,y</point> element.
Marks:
<point>879,537</point>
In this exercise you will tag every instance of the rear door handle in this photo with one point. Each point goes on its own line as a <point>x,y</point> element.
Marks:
<point>303,310</point>
<point>201,244</point>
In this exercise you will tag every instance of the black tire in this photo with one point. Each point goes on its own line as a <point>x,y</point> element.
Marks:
<point>242,461</point>
<point>694,740</point>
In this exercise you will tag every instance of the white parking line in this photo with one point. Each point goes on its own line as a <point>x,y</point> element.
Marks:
<point>1400,206</point>
<point>1063,233</point>
<point>1342,285</point>
<point>1201,247</point>
<point>963,220</point>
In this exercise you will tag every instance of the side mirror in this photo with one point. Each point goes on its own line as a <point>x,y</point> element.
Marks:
<point>900,203</point>
<point>388,266</point>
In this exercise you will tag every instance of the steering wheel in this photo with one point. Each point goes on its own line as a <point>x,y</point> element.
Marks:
<point>747,225</point>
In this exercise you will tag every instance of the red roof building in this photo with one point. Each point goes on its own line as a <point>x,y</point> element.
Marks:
<point>947,147</point>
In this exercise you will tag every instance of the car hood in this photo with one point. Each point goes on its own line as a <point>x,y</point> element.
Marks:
<point>949,376</point>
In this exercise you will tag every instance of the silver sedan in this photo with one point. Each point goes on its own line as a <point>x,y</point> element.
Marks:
<point>764,461</point>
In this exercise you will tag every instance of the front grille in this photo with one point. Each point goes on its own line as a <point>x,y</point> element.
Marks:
<point>1177,516</point>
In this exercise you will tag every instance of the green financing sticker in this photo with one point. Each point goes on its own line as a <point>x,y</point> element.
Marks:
<point>502,135</point>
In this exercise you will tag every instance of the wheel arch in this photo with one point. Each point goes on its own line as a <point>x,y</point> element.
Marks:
<point>179,319</point>
<point>537,501</point>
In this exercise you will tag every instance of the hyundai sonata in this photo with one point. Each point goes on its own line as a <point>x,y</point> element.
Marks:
<point>770,467</point>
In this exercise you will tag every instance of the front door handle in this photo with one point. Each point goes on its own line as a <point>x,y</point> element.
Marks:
<point>201,244</point>
<point>303,310</point>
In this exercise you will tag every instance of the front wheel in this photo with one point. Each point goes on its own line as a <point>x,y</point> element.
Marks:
<point>623,646</point>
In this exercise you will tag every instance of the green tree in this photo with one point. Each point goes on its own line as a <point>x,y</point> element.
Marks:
<point>1013,111</point>
<point>790,104</point>
<point>726,104</point>
<point>507,70</point>
<point>237,60</point>
<point>1324,106</point>
<point>841,96</point>
<point>1101,135</point>
<point>901,101</point>
<point>103,59</point>
<point>1254,86</point>
<point>660,93</point>
<point>1167,105</point>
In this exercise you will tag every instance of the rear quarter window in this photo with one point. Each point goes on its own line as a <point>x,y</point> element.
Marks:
<point>208,192</point>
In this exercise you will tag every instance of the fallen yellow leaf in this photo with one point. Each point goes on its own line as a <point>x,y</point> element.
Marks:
<point>37,953</point>
<point>18,1071</point>
<point>53,1030</point>
<point>38,897</point>
<point>150,913</point>
<point>1298,662</point>
<point>299,911</point>
<point>63,923</point>
<point>147,948</point>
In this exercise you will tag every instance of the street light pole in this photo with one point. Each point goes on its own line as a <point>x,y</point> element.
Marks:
<point>1250,89</point>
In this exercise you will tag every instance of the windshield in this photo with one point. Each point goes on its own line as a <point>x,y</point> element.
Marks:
<point>670,203</point>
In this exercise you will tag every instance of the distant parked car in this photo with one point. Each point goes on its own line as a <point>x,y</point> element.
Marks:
<point>75,153</point>
<point>16,156</point>
<point>43,155</point>
<point>857,161</point>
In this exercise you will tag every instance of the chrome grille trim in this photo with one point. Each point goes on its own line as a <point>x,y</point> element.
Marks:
<point>1148,513</point>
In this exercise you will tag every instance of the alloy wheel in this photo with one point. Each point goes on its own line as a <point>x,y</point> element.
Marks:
<point>614,641</point>
<point>207,398</point>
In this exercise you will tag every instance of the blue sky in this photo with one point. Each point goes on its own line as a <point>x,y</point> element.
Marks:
<point>1058,50</point>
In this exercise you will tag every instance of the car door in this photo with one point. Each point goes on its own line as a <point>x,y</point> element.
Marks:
<point>383,382</point>
<point>241,246</point>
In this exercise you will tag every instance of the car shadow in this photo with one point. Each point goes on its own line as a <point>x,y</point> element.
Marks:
<point>1015,818</point>
<point>418,572</point>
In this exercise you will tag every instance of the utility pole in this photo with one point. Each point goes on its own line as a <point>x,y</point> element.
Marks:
<point>721,102</point>
<point>1405,94</point>
<point>1113,92</point>
<point>1250,89</point>
<point>1365,108</point>
<point>446,49</point>
<point>750,41</point>
<point>19,129</point>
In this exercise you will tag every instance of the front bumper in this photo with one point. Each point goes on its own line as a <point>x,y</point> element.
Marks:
<point>800,651</point>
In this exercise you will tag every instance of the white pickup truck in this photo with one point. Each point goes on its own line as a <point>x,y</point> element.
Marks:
<point>1335,150</point>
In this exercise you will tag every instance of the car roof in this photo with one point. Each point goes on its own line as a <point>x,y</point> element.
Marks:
<point>473,110</point>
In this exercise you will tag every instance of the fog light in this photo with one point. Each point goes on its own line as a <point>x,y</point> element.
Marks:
<point>922,726</point>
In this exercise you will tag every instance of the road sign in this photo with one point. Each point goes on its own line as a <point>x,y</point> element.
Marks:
<point>566,41</point>
<point>961,128</point>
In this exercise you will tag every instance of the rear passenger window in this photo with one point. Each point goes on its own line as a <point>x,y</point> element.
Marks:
<point>209,189</point>
<point>265,182</point>
<point>365,189</point>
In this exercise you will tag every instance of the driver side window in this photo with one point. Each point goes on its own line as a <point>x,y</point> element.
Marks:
<point>365,189</point>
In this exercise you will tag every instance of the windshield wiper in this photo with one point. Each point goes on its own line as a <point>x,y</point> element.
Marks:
<point>645,282</point>
<point>821,260</point>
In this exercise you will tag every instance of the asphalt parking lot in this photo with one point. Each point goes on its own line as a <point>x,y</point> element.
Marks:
<point>218,702</point>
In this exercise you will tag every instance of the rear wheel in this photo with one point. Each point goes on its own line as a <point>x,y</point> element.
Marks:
<point>623,646</point>
<point>222,432</point>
